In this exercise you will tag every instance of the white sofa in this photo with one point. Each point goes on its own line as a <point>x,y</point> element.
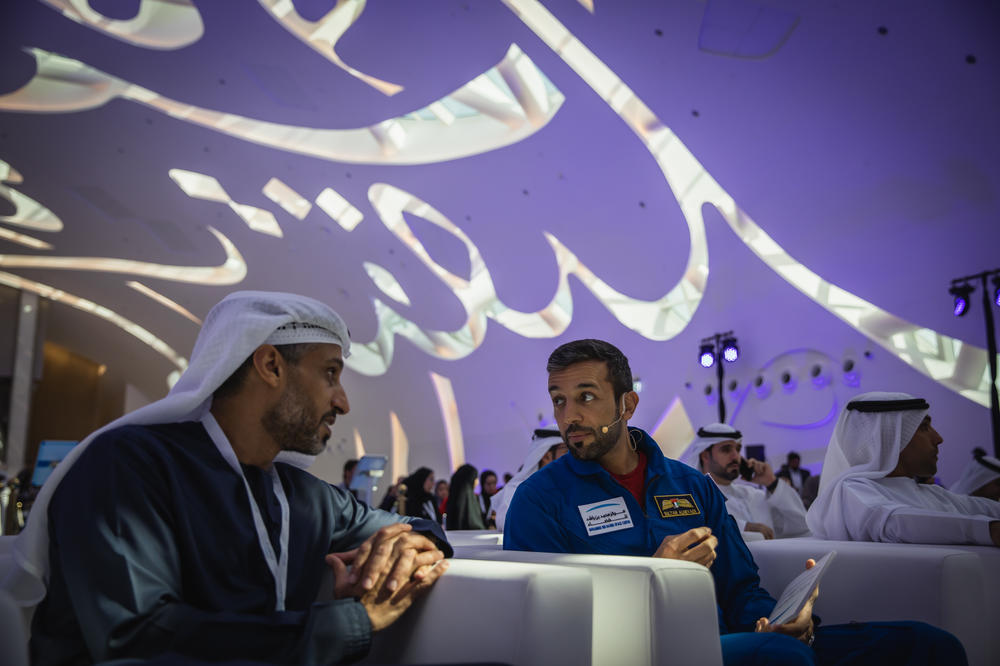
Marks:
<point>645,610</point>
<point>945,586</point>
<point>513,613</point>
<point>518,613</point>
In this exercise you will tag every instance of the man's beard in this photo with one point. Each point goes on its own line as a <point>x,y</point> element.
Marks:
<point>721,472</point>
<point>294,425</point>
<point>603,442</point>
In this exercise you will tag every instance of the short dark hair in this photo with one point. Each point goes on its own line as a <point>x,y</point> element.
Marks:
<point>350,465</point>
<point>578,351</point>
<point>792,455</point>
<point>291,353</point>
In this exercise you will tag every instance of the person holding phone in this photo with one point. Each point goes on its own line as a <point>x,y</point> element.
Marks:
<point>757,499</point>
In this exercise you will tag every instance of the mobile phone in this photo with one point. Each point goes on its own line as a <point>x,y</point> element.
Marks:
<point>746,471</point>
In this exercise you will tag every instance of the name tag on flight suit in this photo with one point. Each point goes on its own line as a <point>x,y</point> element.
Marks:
<point>608,515</point>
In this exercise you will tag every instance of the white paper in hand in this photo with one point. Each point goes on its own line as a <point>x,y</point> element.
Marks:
<point>798,591</point>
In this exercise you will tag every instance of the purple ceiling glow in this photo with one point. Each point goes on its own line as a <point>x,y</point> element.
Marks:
<point>859,141</point>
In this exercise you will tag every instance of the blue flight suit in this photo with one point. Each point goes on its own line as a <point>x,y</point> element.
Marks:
<point>547,514</point>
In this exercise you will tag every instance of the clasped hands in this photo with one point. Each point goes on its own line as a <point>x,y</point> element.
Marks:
<point>698,545</point>
<point>387,572</point>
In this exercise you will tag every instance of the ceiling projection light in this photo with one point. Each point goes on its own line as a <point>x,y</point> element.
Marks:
<point>961,293</point>
<point>706,356</point>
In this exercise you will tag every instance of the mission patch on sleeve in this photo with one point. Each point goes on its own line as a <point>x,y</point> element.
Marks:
<point>671,506</point>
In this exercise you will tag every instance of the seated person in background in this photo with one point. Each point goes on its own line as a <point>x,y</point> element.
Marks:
<point>664,508</point>
<point>774,511</point>
<point>980,478</point>
<point>419,500</point>
<point>794,472</point>
<point>487,489</point>
<point>441,495</point>
<point>555,452</point>
<point>810,489</point>
<point>390,502</point>
<point>345,485</point>
<point>463,506</point>
<point>172,532</point>
<point>869,492</point>
<point>549,445</point>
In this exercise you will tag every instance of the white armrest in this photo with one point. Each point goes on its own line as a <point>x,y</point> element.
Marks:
<point>474,537</point>
<point>507,612</point>
<point>943,586</point>
<point>646,610</point>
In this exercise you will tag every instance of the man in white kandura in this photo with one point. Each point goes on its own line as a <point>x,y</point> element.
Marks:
<point>980,478</point>
<point>868,490</point>
<point>774,510</point>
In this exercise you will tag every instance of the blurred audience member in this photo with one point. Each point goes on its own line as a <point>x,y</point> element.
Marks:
<point>554,452</point>
<point>441,495</point>
<point>794,472</point>
<point>419,499</point>
<point>463,511</point>
<point>345,485</point>
<point>487,489</point>
<point>810,489</point>
<point>545,450</point>
<point>981,477</point>
<point>391,499</point>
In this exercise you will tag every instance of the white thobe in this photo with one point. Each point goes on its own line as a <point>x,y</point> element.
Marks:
<point>782,510</point>
<point>898,509</point>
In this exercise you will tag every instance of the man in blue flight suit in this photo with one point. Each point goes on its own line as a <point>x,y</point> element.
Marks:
<point>618,495</point>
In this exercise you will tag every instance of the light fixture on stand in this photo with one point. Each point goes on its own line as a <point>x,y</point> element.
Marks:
<point>713,350</point>
<point>961,288</point>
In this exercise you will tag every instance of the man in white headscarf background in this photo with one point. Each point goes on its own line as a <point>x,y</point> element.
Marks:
<point>980,478</point>
<point>173,531</point>
<point>548,446</point>
<point>869,492</point>
<point>774,510</point>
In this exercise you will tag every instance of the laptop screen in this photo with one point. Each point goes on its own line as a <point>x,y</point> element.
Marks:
<point>51,452</point>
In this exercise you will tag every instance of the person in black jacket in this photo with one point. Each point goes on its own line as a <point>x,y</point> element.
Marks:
<point>463,505</point>
<point>793,472</point>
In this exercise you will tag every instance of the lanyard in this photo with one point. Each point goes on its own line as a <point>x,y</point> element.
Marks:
<point>278,566</point>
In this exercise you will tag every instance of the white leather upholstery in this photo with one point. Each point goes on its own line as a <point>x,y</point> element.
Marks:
<point>646,610</point>
<point>516,613</point>
<point>479,538</point>
<point>941,585</point>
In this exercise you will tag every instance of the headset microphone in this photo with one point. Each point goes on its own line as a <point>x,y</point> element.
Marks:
<point>604,429</point>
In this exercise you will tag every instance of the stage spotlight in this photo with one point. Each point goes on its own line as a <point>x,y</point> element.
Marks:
<point>961,293</point>
<point>707,356</point>
<point>730,351</point>
<point>996,289</point>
